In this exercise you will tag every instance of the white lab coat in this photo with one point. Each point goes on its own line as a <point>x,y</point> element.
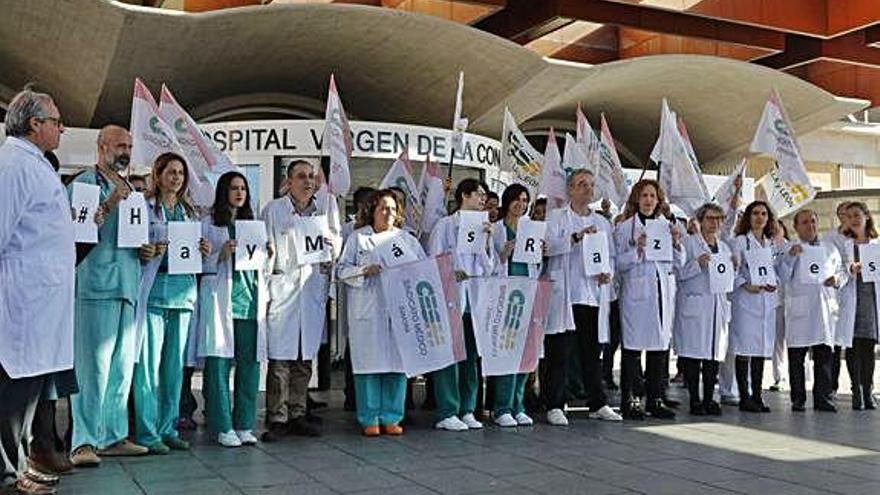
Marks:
<point>444,240</point>
<point>296,316</point>
<point>216,334</point>
<point>373,347</point>
<point>811,310</point>
<point>701,318</point>
<point>37,258</point>
<point>643,328</point>
<point>846,296</point>
<point>753,321</point>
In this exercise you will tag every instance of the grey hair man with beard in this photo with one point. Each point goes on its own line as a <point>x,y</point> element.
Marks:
<point>107,281</point>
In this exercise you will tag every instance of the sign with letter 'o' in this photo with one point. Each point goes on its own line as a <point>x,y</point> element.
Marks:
<point>721,273</point>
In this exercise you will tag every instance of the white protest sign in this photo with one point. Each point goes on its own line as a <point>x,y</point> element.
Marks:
<point>250,245</point>
<point>472,233</point>
<point>183,248</point>
<point>760,264</point>
<point>597,259</point>
<point>869,257</point>
<point>813,268</point>
<point>393,249</point>
<point>721,273</point>
<point>84,202</point>
<point>659,241</point>
<point>134,226</point>
<point>310,244</point>
<point>529,241</point>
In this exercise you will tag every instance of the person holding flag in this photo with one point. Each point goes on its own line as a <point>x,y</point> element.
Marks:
<point>455,387</point>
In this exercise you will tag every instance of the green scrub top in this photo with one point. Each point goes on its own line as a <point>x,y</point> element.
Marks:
<point>107,272</point>
<point>515,269</point>
<point>173,291</point>
<point>244,290</point>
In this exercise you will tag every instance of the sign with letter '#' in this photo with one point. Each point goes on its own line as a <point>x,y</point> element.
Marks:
<point>814,265</point>
<point>869,256</point>
<point>183,248</point>
<point>311,245</point>
<point>529,244</point>
<point>659,241</point>
<point>134,223</point>
<point>721,273</point>
<point>84,201</point>
<point>250,245</point>
<point>596,254</point>
<point>508,326</point>
<point>472,233</point>
<point>760,264</point>
<point>422,302</point>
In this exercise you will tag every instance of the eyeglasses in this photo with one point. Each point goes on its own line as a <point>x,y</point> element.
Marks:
<point>56,120</point>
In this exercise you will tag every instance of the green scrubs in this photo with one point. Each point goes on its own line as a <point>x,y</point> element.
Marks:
<point>104,334</point>
<point>455,386</point>
<point>158,375</point>
<point>380,398</point>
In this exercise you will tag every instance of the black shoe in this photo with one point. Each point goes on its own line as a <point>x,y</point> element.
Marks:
<point>857,404</point>
<point>660,411</point>
<point>670,403</point>
<point>276,432</point>
<point>825,407</point>
<point>749,405</point>
<point>633,411</point>
<point>761,404</point>
<point>697,409</point>
<point>303,427</point>
<point>314,404</point>
<point>712,408</point>
<point>868,400</point>
<point>798,407</point>
<point>311,418</point>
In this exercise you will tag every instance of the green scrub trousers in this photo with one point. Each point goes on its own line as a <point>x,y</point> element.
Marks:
<point>380,398</point>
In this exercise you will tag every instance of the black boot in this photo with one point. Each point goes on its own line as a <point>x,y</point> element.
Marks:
<point>698,409</point>
<point>748,404</point>
<point>857,397</point>
<point>657,410</point>
<point>632,410</point>
<point>868,397</point>
<point>712,408</point>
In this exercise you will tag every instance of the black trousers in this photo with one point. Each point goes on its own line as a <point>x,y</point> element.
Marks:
<point>586,322</point>
<point>44,432</point>
<point>860,364</point>
<point>822,374</point>
<point>629,375</point>
<point>693,370</point>
<point>749,369</point>
<point>613,344</point>
<point>18,404</point>
<point>557,349</point>
<point>188,403</point>
<point>835,367</point>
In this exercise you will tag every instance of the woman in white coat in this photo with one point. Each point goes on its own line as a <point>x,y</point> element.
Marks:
<point>859,303</point>
<point>753,321</point>
<point>379,379</point>
<point>455,387</point>
<point>700,332</point>
<point>232,319</point>
<point>647,299</point>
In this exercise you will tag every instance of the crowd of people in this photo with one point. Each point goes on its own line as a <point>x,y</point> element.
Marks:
<point>118,334</point>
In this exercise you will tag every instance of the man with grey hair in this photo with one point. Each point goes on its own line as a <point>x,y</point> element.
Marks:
<point>37,257</point>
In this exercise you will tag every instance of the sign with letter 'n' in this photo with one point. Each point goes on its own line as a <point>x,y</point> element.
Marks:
<point>311,245</point>
<point>760,264</point>
<point>134,224</point>
<point>250,245</point>
<point>596,253</point>
<point>472,232</point>
<point>659,241</point>
<point>184,256</point>
<point>529,241</point>
<point>84,201</point>
<point>721,273</point>
<point>869,257</point>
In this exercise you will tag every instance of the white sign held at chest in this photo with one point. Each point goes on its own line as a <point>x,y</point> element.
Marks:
<point>84,202</point>
<point>597,259</point>
<point>472,233</point>
<point>813,265</point>
<point>393,249</point>
<point>250,245</point>
<point>529,246</point>
<point>869,257</point>
<point>184,256</point>
<point>721,273</point>
<point>134,224</point>
<point>760,264</point>
<point>659,241</point>
<point>311,245</point>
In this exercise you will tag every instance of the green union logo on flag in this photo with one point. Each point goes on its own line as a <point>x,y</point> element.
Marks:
<point>430,314</point>
<point>512,319</point>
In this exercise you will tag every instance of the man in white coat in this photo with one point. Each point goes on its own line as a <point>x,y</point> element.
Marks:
<point>297,300</point>
<point>37,257</point>
<point>811,311</point>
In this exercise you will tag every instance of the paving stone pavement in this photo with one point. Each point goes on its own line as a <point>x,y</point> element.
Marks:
<point>779,453</point>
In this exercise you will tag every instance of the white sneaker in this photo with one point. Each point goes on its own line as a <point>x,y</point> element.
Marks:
<point>452,423</point>
<point>605,413</point>
<point>228,439</point>
<point>556,417</point>
<point>246,436</point>
<point>506,421</point>
<point>471,421</point>
<point>523,419</point>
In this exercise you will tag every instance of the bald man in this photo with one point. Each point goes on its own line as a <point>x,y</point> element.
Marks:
<point>107,282</point>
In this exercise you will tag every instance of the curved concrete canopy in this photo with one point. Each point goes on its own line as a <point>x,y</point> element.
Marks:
<point>390,66</point>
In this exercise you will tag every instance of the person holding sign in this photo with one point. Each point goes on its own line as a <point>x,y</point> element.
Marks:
<point>164,310</point>
<point>232,318</point>
<point>510,390</point>
<point>753,319</point>
<point>811,284</point>
<point>107,281</point>
<point>701,315</point>
<point>455,387</point>
<point>298,292</point>
<point>647,298</point>
<point>581,287</point>
<point>379,380</point>
<point>859,304</point>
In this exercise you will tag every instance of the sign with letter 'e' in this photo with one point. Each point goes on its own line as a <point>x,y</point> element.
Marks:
<point>813,261</point>
<point>250,245</point>
<point>869,256</point>
<point>721,273</point>
<point>311,245</point>
<point>659,241</point>
<point>184,256</point>
<point>529,241</point>
<point>596,254</point>
<point>472,233</point>
<point>134,224</point>
<point>84,201</point>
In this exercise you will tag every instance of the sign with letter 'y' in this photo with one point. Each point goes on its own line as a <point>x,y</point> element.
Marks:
<point>250,245</point>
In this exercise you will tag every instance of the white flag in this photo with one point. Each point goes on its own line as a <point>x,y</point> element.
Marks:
<point>689,147</point>
<point>519,157</point>
<point>785,197</point>
<point>432,196</point>
<point>573,157</point>
<point>587,140</point>
<point>678,176</point>
<point>610,181</point>
<point>400,176</point>
<point>459,123</point>
<point>150,135</point>
<point>552,177</point>
<point>724,194</point>
<point>337,141</point>
<point>775,136</point>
